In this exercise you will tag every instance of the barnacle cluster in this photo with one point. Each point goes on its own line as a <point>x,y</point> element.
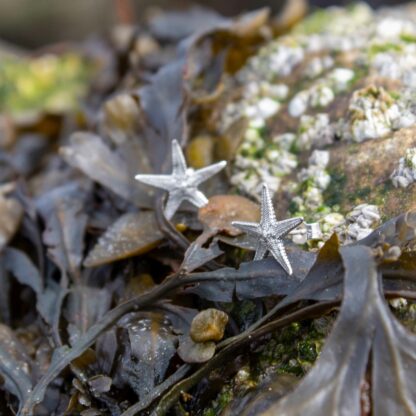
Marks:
<point>405,173</point>
<point>374,113</point>
<point>312,181</point>
<point>356,225</point>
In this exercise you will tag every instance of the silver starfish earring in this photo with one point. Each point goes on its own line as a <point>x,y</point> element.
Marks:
<point>182,184</point>
<point>270,232</point>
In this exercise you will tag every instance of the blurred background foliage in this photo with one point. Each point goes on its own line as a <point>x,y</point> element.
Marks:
<point>34,23</point>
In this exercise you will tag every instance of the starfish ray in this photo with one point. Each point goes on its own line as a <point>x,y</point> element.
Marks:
<point>182,184</point>
<point>270,232</point>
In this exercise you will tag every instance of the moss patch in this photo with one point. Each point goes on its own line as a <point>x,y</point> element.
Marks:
<point>334,194</point>
<point>48,83</point>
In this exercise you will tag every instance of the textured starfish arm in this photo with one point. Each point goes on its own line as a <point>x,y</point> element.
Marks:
<point>284,227</point>
<point>197,198</point>
<point>203,174</point>
<point>279,253</point>
<point>178,159</point>
<point>248,227</point>
<point>267,210</point>
<point>158,181</point>
<point>172,204</point>
<point>261,250</point>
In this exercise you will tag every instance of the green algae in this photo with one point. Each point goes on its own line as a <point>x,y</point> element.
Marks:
<point>292,350</point>
<point>384,47</point>
<point>408,38</point>
<point>220,402</point>
<point>314,23</point>
<point>49,83</point>
<point>334,194</point>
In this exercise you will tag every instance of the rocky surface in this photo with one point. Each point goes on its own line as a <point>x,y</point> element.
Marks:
<point>326,116</point>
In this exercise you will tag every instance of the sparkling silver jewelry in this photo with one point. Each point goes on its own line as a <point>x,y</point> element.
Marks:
<point>270,232</point>
<point>182,184</point>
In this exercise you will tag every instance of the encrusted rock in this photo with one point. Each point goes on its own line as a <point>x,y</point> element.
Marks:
<point>315,131</point>
<point>322,93</point>
<point>315,173</point>
<point>342,81</point>
<point>375,114</point>
<point>405,174</point>
<point>313,181</point>
<point>362,221</point>
<point>318,65</point>
<point>332,222</point>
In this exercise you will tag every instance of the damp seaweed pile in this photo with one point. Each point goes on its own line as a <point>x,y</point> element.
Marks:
<point>108,307</point>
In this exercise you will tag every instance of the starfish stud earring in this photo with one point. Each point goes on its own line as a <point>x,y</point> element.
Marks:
<point>182,184</point>
<point>270,232</point>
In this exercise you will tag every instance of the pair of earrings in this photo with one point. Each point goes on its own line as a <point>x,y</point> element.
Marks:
<point>182,185</point>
